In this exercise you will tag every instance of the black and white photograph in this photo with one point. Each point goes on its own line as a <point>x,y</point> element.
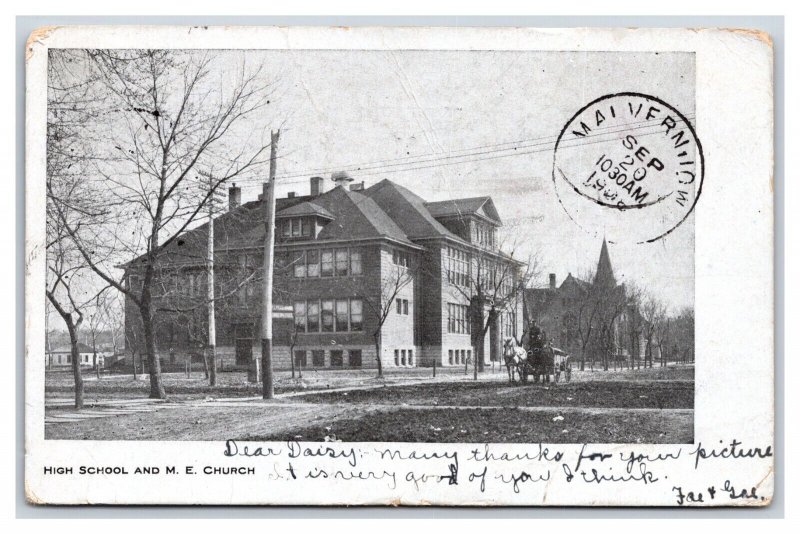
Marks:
<point>354,254</point>
<point>397,240</point>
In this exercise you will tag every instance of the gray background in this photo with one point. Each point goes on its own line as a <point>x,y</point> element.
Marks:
<point>773,25</point>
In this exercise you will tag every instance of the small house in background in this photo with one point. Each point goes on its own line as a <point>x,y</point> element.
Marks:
<point>61,356</point>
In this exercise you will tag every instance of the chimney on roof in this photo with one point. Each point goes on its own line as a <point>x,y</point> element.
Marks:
<point>317,186</point>
<point>291,194</point>
<point>341,178</point>
<point>552,280</point>
<point>357,187</point>
<point>234,197</point>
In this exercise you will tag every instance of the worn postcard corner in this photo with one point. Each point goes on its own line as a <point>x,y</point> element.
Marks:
<point>447,266</point>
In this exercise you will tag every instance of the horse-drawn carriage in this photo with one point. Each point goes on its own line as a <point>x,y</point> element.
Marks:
<point>539,362</point>
<point>543,363</point>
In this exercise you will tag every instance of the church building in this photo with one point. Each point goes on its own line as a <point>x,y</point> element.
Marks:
<point>589,318</point>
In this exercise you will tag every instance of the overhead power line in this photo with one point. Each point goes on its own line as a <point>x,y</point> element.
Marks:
<point>464,152</point>
<point>467,157</point>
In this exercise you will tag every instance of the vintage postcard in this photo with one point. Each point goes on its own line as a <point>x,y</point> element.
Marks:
<point>399,266</point>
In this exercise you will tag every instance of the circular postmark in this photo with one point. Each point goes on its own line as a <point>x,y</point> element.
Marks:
<point>628,166</point>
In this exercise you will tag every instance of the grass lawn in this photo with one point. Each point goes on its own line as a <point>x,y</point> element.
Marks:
<point>642,408</point>
<point>500,426</point>
<point>606,394</point>
<point>233,384</point>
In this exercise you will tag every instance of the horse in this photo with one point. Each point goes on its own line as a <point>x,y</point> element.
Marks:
<point>513,356</point>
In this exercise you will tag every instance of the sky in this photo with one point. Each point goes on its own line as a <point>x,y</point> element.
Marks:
<point>433,121</point>
<point>344,109</point>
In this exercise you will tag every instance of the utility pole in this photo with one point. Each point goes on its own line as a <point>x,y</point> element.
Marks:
<point>212,324</point>
<point>269,245</point>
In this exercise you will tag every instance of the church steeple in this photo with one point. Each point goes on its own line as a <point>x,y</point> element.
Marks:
<point>605,274</point>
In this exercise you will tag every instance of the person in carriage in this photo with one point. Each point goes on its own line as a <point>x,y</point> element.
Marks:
<point>534,343</point>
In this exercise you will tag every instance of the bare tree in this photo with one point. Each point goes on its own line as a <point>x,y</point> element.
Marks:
<point>587,314</point>
<point>72,103</point>
<point>96,324</point>
<point>381,302</point>
<point>635,323</point>
<point>662,337</point>
<point>495,279</point>
<point>167,120</point>
<point>611,303</point>
<point>60,294</point>
<point>652,313</point>
<point>683,334</point>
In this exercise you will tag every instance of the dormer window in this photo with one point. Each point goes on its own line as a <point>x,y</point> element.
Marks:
<point>297,227</point>
<point>302,221</point>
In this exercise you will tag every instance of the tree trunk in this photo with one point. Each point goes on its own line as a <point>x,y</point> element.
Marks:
<point>156,387</point>
<point>212,365</point>
<point>76,363</point>
<point>205,365</point>
<point>291,357</point>
<point>377,337</point>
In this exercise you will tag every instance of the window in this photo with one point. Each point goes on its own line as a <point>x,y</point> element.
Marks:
<point>410,357</point>
<point>469,355</point>
<point>312,261</point>
<point>341,262</point>
<point>396,358</point>
<point>300,316</point>
<point>400,257</point>
<point>337,358</point>
<point>458,319</point>
<point>299,262</point>
<point>338,262</point>
<point>457,265</point>
<point>296,227</point>
<point>403,357</point>
<point>355,262</point>
<point>312,320</point>
<point>286,228</point>
<point>355,359</point>
<point>300,358</point>
<point>341,316</point>
<point>402,306</point>
<point>356,315</point>
<point>327,316</point>
<point>511,324</point>
<point>327,263</point>
<point>306,227</point>
<point>318,358</point>
<point>450,356</point>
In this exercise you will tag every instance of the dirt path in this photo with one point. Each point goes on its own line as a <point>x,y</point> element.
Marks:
<point>196,422</point>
